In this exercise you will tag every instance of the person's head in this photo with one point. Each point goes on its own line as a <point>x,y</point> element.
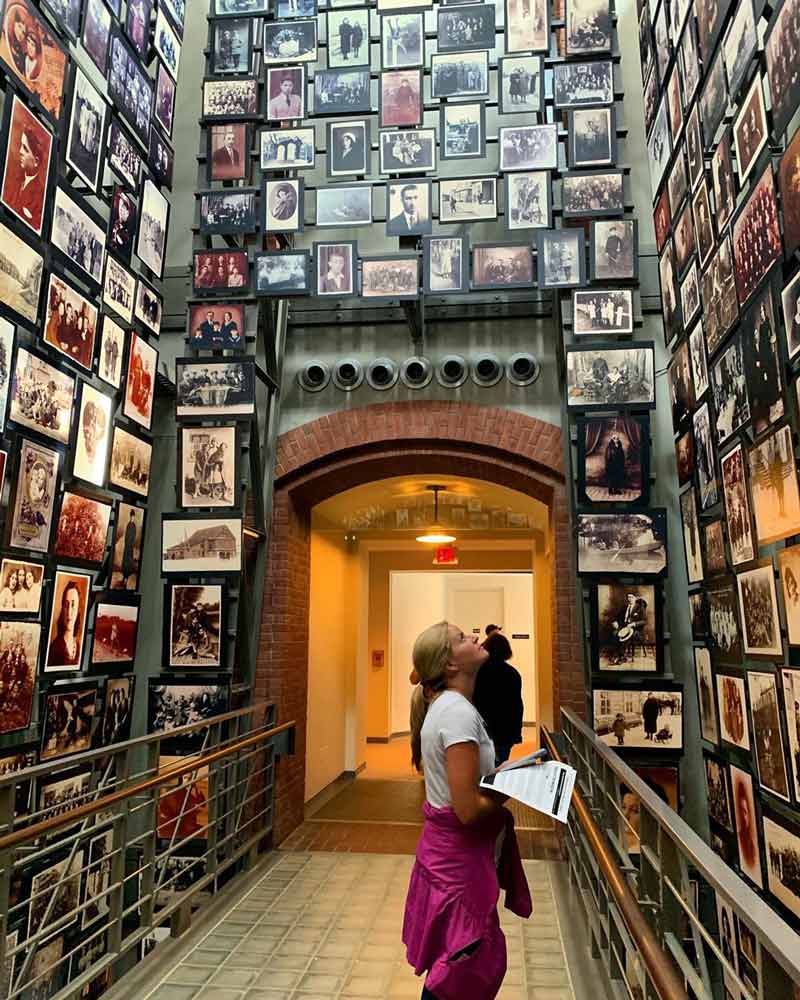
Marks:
<point>631,807</point>
<point>68,620</point>
<point>12,581</point>
<point>492,628</point>
<point>497,646</point>
<point>30,581</point>
<point>410,198</point>
<point>31,152</point>
<point>348,141</point>
<point>287,86</point>
<point>229,138</point>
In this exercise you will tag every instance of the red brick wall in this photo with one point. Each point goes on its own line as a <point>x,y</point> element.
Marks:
<point>350,448</point>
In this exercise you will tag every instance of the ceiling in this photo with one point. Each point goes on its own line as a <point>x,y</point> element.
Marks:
<point>400,507</point>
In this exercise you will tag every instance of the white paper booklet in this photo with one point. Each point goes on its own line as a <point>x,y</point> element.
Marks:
<point>545,787</point>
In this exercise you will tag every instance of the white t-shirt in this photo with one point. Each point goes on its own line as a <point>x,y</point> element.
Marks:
<point>451,719</point>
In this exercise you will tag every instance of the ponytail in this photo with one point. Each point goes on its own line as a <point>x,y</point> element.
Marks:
<point>431,654</point>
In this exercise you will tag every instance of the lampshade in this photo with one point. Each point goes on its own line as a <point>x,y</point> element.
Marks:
<point>436,534</point>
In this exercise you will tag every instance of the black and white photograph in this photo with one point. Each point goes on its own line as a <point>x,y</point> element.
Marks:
<point>123,223</point>
<point>659,147</point>
<point>717,793</point>
<point>131,458</point>
<point>579,84</point>
<point>55,892</point>
<point>723,181</point>
<point>685,241</point>
<point>528,200</point>
<point>767,734</point>
<point>126,550</point>
<point>164,106</point>
<point>21,269</point>
<point>341,206</point>
<point>599,311</point>
<point>674,105</point>
<point>598,192</point>
<point>520,84</point>
<point>282,273</point>
<point>705,695</point>
<point>756,236</point>
<point>462,131</point>
<point>335,266</point>
<point>661,43</point>
<point>41,396</point>
<point>762,362</point>
<point>459,74</point>
<point>194,628</point>
<point>11,763</point>
<point>698,614</point>
<point>685,457</point>
<point>614,249</point>
<point>19,644</point>
<point>729,386</point>
<point>283,205</point>
<point>87,130</point>
<point>461,29</point>
<point>689,63</point>
<point>232,46</point>
<point>561,258</point>
<point>502,265</point>
<point>678,13</point>
<point>97,32</point>
<point>703,225</point>
<point>592,137</point>
<point>623,543</point>
<point>644,719</point>
<point>782,849</point>
<point>732,701</point>
<point>161,159</point>
<point>758,607</point>
<point>166,43</point>
<point>207,460</point>
<point>78,233</point>
<point>408,208</point>
<point>402,38</point>
<point>98,878</point>
<point>780,43</point>
<point>790,303</point>
<point>67,721</point>
<point>151,243</point>
<point>289,41</point>
<point>214,388</point>
<point>750,129</point>
<point>737,506</point>
<point>724,632</point>
<point>201,544</point>
<point>690,293</point>
<point>613,459</point>
<point>118,710</point>
<point>713,100</point>
<point>123,156</point>
<point>390,276</point>
<point>789,182</point>
<point>528,147</point>
<point>691,536</point>
<point>704,457</point>
<point>791,699</point>
<point>138,17</point>
<point>226,8</point>
<point>119,292</point>
<point>527,25</point>
<point>740,44</point>
<point>789,568</point>
<point>694,147</point>
<point>699,360</point>
<point>681,385</point>
<point>400,98</point>
<point>179,703</point>
<point>129,86</point>
<point>720,308</point>
<point>349,148</point>
<point>626,627</point>
<point>467,200</point>
<point>148,307</point>
<point>348,39</point>
<point>445,264</point>
<point>588,27</point>
<point>341,91</point>
<point>111,352</point>
<point>238,98</point>
<point>677,184</point>
<point>286,148</point>
<point>773,484</point>
<point>407,152</point>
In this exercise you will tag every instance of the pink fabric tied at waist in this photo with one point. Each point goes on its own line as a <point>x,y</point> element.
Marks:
<point>452,903</point>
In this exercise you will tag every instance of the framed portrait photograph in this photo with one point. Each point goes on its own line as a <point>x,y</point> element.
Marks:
<point>111,352</point>
<point>685,458</point>
<point>611,374</point>
<point>68,614</point>
<point>228,212</point>
<point>713,100</point>
<point>283,205</point>
<point>740,45</point>
<point>691,536</point>
<point>737,506</point>
<point>661,42</point>
<point>335,267</point>
<point>19,759</point>
<point>123,156</point>
<point>790,194</point>
<point>640,718</point>
<point>140,381</point>
<point>217,326</point>
<point>747,840</point>
<point>765,714</point>
<point>705,695</point>
<point>194,618</point>
<point>689,62</point>
<point>784,87</point>
<point>602,311</point>
<point>623,543</point>
<point>528,147</point>
<point>21,269</point>
<point>408,207</point>
<point>685,240</point>
<point>729,387</point>
<point>762,361</point>
<point>129,86</point>
<point>194,544</point>
<point>20,640</point>
<point>677,185</point>
<point>34,496</point>
<point>670,301</point>
<point>662,220</point>
<point>232,46</point>
<point>43,79</point>
<point>67,15</point>
<point>213,387</point>
<point>126,548</point>
<point>119,292</point>
<point>750,129</point>
<point>725,636</point>
<point>651,103</point>
<point>117,712</point>
<point>659,147</point>
<point>138,16</point>
<point>218,272</point>
<point>82,529</point>
<point>790,304</point>
<point>71,322</point>
<point>703,226</point>
<point>462,131</point>
<point>286,149</point>
<point>704,450</point>
<point>166,43</point>
<point>781,845</point>
<point>164,107</point>
<point>41,396</point>
<point>20,586</point>
<point>208,466</point>
<point>402,38</point>
<point>461,29</point>
<point>674,105</point>
<point>560,258</point>
<point>237,98</point>
<point>67,729</point>
<point>348,38</point>
<point>282,272</point>
<point>148,307</point>
<point>718,289</point>
<point>26,167</point>
<point>459,74</point>
<point>131,456</point>
<point>92,436</point>
<point>791,699</point>
<point>407,152</point>
<point>789,569</point>
<point>286,93</point>
<point>242,8</point>
<point>527,26</point>
<point>228,155</point>
<point>717,792</point>
<point>390,276</point>
<point>613,459</point>
<point>151,243</point>
<point>87,129</point>
<point>502,265</point>
<point>690,293</point>
<point>710,19</point>
<point>289,41</point>
<point>588,27</point>
<point>732,704</point>
<point>614,249</point>
<point>773,484</point>
<point>520,84</point>
<point>122,224</point>
<point>528,200</point>
<point>592,193</point>
<point>694,146</point>
<point>341,91</point>
<point>170,706</point>
<point>626,627</point>
<point>400,98</point>
<point>467,200</point>
<point>349,148</point>
<point>592,137</point>
<point>445,264</point>
<point>579,84</point>
<point>758,608</point>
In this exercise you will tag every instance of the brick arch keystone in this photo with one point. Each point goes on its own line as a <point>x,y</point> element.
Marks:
<point>352,447</point>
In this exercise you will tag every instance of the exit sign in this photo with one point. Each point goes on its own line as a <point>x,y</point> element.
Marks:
<point>446,555</point>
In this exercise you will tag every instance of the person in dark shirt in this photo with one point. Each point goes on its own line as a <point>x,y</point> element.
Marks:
<point>498,696</point>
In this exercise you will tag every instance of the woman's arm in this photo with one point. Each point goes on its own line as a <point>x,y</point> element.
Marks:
<point>470,802</point>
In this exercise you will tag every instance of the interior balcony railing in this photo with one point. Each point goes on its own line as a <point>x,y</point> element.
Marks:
<point>654,895</point>
<point>100,861</point>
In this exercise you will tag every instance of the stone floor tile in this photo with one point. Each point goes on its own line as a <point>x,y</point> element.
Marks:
<point>174,993</point>
<point>313,982</point>
<point>190,975</point>
<point>552,958</point>
<point>217,993</point>
<point>548,977</point>
<point>238,979</point>
<point>545,993</point>
<point>207,956</point>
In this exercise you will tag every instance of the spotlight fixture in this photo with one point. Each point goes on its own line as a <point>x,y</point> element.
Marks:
<point>436,534</point>
<point>314,376</point>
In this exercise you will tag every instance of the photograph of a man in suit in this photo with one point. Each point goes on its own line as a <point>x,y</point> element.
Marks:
<point>336,276</point>
<point>227,156</point>
<point>286,104</point>
<point>414,217</point>
<point>27,164</point>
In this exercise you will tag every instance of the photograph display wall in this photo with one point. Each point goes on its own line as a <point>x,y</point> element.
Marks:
<point>726,204</point>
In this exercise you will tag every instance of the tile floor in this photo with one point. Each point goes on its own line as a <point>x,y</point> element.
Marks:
<point>326,926</point>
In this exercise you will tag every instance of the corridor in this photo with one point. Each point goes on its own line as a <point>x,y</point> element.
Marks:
<point>321,926</point>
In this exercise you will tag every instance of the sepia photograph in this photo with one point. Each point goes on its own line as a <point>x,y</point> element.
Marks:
<point>21,270</point>
<point>19,651</point>
<point>713,100</point>
<point>528,200</point>
<point>750,129</point>
<point>87,131</point>
<point>228,155</point>
<point>790,301</point>
<point>698,613</point>
<point>164,107</point>
<point>71,322</point>
<point>402,39</point>
<point>283,205</point>
<point>219,271</point>
<point>182,803</point>
<point>349,149</point>
<point>630,543</point>
<point>43,78</point>
<point>195,628</point>
<point>695,158</point>
<point>685,457</point>
<point>228,213</point>
<point>691,536</point>
<point>791,701</point>
<point>282,272</point>
<point>59,796</point>
<point>723,626</point>
<point>740,45</point>
<point>705,694</point>
<point>729,387</point>
<point>773,484</point>
<point>560,258</point>
<point>602,312</point>
<point>689,63</point>
<point>181,703</point>
<point>690,293</point>
<point>732,709</point>
<point>527,26</point>
<point>614,249</point>
<point>406,152</point>
<point>591,194</point>
<point>126,548</point>
<point>578,84</point>
<point>699,359</point>
<point>685,242</point>
<point>784,86</point>
<point>782,848</point>
<point>758,606</point>
<point>20,586</point>
<point>140,381</point>
<point>37,479</point>
<point>703,225</point>
<point>767,736</point>
<point>588,27</point>
<point>408,208</point>
<point>286,93</point>
<point>626,628</point>
<point>502,265</point>
<point>11,763</point>
<point>232,46</point>
<point>98,878</point>
<point>762,362</point>
<point>41,396</point>
<point>67,721</point>
<point>459,74</point>
<point>281,149</point>
<point>201,544</point>
<point>756,236</point>
<point>789,183</point>
<point>520,83</point>
<point>720,308</point>
<point>468,199</point>
<point>130,462</point>
<point>737,506</point>
<point>82,528</point>
<point>137,25</point>
<point>789,568</point>
<point>659,147</point>
<point>528,147</point>
<point>670,304</point>
<point>639,719</point>
<point>592,137</point>
<point>217,327</point>
<point>117,711</point>
<point>54,893</point>
<point>129,86</point>
<point>717,794</point>
<point>26,167</point>
<point>462,131</point>
<point>207,459</point>
<point>604,375</point>
<point>722,177</point>
<point>613,459</point>
<point>390,277</point>
<point>148,307</point>
<point>400,98</point>
<point>92,436</point>
<point>151,241</point>
<point>445,264</point>
<point>238,98</point>
<point>704,458</point>
<point>116,624</point>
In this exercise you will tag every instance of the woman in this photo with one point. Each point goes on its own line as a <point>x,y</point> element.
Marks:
<point>451,929</point>
<point>498,696</point>
<point>65,648</point>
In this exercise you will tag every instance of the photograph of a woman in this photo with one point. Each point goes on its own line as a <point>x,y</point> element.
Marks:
<point>68,621</point>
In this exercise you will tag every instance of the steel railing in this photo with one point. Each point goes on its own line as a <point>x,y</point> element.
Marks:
<point>133,839</point>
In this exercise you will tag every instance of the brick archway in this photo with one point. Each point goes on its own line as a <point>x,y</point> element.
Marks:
<point>350,448</point>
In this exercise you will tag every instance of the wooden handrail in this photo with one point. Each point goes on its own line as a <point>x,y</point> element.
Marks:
<point>47,826</point>
<point>663,972</point>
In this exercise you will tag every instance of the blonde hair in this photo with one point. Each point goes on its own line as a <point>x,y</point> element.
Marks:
<point>430,656</point>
